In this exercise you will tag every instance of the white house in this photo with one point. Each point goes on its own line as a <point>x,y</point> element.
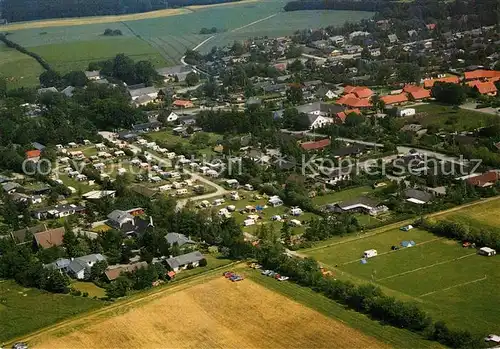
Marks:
<point>183,261</point>
<point>172,117</point>
<point>319,121</point>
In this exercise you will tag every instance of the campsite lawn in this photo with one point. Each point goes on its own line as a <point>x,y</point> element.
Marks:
<point>448,118</point>
<point>452,283</point>
<point>342,195</point>
<point>18,69</point>
<point>25,310</point>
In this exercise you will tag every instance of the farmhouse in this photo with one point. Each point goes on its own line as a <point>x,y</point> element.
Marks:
<point>183,261</point>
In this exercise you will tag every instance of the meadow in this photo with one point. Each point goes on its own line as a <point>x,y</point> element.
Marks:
<point>17,68</point>
<point>452,283</point>
<point>164,39</point>
<point>24,310</point>
<point>218,313</point>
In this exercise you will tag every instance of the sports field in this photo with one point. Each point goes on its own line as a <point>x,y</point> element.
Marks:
<point>451,282</point>
<point>216,314</point>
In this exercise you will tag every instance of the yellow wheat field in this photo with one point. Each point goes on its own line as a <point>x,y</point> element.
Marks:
<point>216,314</point>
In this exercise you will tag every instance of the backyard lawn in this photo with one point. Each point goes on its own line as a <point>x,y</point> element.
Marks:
<point>342,195</point>
<point>92,289</point>
<point>448,118</point>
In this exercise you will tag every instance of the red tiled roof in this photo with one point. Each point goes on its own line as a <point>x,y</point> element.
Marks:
<point>315,145</point>
<point>411,88</point>
<point>355,102</point>
<point>359,91</point>
<point>113,273</point>
<point>343,114</point>
<point>422,93</point>
<point>393,99</point>
<point>349,89</point>
<point>483,87</point>
<point>183,103</point>
<point>481,74</point>
<point>33,154</point>
<point>49,238</point>
<point>484,179</point>
<point>450,79</point>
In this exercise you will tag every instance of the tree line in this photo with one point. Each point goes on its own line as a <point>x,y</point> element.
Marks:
<point>27,10</point>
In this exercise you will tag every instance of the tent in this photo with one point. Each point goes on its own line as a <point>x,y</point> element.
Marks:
<point>408,243</point>
<point>364,261</point>
<point>259,208</point>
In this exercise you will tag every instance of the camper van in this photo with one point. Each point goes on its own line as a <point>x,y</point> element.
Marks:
<point>370,253</point>
<point>248,222</point>
<point>182,191</point>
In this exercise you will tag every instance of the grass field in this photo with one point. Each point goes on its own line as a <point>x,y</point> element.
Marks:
<point>452,283</point>
<point>92,289</point>
<point>342,195</point>
<point>17,68</point>
<point>215,314</point>
<point>25,310</point>
<point>448,118</point>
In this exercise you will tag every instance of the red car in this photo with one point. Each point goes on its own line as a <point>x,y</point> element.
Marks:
<point>228,274</point>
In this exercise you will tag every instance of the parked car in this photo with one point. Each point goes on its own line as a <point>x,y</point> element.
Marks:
<point>283,278</point>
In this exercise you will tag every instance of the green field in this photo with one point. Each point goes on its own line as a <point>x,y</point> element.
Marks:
<point>393,336</point>
<point>452,283</point>
<point>342,195</point>
<point>17,68</point>
<point>25,310</point>
<point>448,118</point>
<point>164,40</point>
<point>92,289</point>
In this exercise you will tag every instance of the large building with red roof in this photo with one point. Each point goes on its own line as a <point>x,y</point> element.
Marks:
<point>394,99</point>
<point>481,74</point>
<point>449,79</point>
<point>484,88</point>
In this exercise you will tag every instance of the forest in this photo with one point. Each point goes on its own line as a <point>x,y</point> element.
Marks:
<point>28,10</point>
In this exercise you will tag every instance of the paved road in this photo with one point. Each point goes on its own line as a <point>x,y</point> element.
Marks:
<point>472,106</point>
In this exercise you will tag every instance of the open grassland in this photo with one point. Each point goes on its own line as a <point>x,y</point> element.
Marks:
<point>23,310</point>
<point>77,55</point>
<point>452,283</point>
<point>448,118</point>
<point>17,68</point>
<point>215,314</point>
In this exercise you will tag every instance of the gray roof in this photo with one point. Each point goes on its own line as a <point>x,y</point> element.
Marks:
<point>47,89</point>
<point>143,91</point>
<point>81,263</point>
<point>178,69</point>
<point>418,194</point>
<point>68,91</point>
<point>119,216</point>
<point>362,200</point>
<point>59,264</point>
<point>181,239</point>
<point>92,73</point>
<point>10,186</point>
<point>38,146</point>
<point>176,262</point>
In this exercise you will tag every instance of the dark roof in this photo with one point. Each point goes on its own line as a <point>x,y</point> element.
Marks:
<point>176,262</point>
<point>38,146</point>
<point>352,150</point>
<point>146,125</point>
<point>418,194</point>
<point>137,228</point>
<point>10,186</point>
<point>20,235</point>
<point>362,200</point>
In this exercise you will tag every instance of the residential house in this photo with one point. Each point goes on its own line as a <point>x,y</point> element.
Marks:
<point>179,103</point>
<point>184,261</point>
<point>10,187</point>
<point>114,271</point>
<point>416,196</point>
<point>351,151</point>
<point>484,180</point>
<point>93,75</point>
<point>26,234</point>
<point>417,93</point>
<point>429,83</point>
<point>172,117</point>
<point>151,92</point>
<point>49,238</point>
<point>394,99</point>
<point>361,204</point>
<point>392,38</point>
<point>57,211</point>
<point>315,145</point>
<point>79,266</point>
<point>147,127</point>
<point>179,239</point>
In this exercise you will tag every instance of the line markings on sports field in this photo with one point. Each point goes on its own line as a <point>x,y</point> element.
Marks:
<point>454,286</point>
<point>426,267</point>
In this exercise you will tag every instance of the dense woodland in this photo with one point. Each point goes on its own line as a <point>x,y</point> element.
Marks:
<point>27,10</point>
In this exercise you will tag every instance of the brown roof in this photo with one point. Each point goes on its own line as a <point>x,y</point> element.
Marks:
<point>114,272</point>
<point>449,79</point>
<point>20,235</point>
<point>315,145</point>
<point>50,238</point>
<point>484,180</point>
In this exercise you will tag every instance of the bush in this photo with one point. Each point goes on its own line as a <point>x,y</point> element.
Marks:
<point>203,263</point>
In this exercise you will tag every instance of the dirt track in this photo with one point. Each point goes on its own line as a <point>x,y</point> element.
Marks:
<point>216,314</point>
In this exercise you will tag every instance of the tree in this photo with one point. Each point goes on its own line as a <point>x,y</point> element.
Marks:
<point>408,72</point>
<point>76,79</point>
<point>296,66</point>
<point>3,87</point>
<point>50,78</point>
<point>286,234</point>
<point>97,270</point>
<point>354,120</point>
<point>70,242</point>
<point>448,93</point>
<point>294,95</point>
<point>192,79</point>
<point>118,288</point>
<point>175,250</point>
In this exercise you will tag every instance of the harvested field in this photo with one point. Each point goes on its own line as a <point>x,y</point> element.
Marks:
<point>215,314</point>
